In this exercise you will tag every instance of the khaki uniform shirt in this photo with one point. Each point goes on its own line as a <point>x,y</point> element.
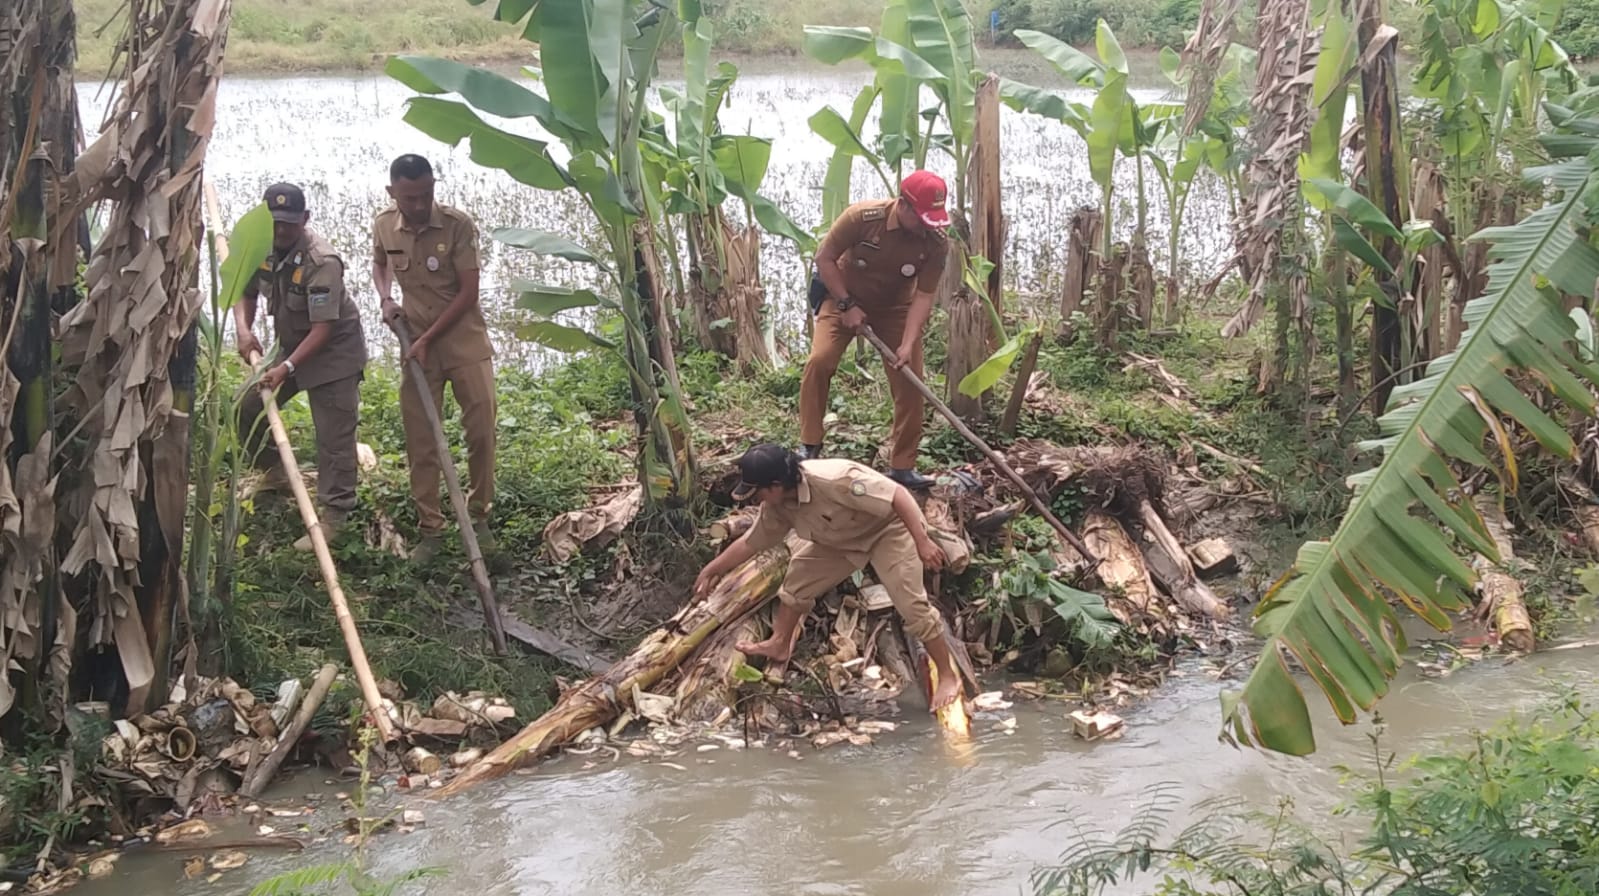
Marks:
<point>428,264</point>
<point>883,263</point>
<point>303,286</point>
<point>840,504</point>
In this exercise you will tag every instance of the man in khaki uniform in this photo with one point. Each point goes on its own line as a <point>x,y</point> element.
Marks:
<point>849,515</point>
<point>431,251</point>
<point>880,264</point>
<point>321,349</point>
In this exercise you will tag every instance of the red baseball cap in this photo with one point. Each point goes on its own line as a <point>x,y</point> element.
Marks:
<point>925,192</point>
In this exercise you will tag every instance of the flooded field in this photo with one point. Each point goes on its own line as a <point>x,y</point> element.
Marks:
<point>335,135</point>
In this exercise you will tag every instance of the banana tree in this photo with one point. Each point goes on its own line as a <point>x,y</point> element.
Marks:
<point>1330,612</point>
<point>1113,123</point>
<point>1179,153</point>
<point>599,57</point>
<point>920,44</point>
<point>690,177</point>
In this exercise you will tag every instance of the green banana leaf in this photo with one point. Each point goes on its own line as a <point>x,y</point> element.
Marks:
<point>249,244</point>
<point>561,337</point>
<point>548,301</point>
<point>1329,97</point>
<point>941,33</point>
<point>1109,115</point>
<point>523,158</point>
<point>1329,612</point>
<point>1038,101</point>
<point>1077,66</point>
<point>544,243</point>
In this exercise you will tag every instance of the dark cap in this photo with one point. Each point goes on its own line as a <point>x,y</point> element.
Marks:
<point>286,202</point>
<point>761,466</point>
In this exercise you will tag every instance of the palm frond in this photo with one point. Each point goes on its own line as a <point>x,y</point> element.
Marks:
<point>1330,612</point>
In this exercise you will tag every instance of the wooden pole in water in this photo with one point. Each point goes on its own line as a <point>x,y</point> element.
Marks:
<point>452,482</point>
<point>330,573</point>
<point>993,456</point>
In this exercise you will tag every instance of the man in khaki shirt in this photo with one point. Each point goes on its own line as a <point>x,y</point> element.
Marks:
<point>848,515</point>
<point>880,264</point>
<point>431,251</point>
<point>321,349</point>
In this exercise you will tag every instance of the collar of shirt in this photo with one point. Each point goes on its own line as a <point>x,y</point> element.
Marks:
<point>302,246</point>
<point>893,216</point>
<point>435,221</point>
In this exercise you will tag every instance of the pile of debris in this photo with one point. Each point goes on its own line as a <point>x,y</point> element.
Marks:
<point>855,660</point>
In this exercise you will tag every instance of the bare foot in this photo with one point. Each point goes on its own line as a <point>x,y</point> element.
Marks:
<point>771,648</point>
<point>949,690</point>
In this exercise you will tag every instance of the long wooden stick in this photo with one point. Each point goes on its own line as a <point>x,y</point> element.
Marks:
<point>324,557</point>
<point>452,481</point>
<point>291,735</point>
<point>993,456</point>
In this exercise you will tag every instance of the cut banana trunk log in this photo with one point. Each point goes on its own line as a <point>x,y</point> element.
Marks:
<point>603,697</point>
<point>1121,568</point>
<point>1170,566</point>
<point>1502,603</point>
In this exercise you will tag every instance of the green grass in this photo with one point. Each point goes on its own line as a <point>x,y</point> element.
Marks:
<point>281,36</point>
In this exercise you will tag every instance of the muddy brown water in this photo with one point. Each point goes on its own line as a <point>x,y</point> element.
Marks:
<point>911,814</point>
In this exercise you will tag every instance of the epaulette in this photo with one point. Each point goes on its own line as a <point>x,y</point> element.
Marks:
<point>874,214</point>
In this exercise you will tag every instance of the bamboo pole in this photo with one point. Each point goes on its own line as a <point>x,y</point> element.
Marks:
<point>330,573</point>
<point>452,482</point>
<point>291,736</point>
<point>993,456</point>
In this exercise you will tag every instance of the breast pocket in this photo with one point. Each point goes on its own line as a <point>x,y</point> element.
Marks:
<point>399,263</point>
<point>296,300</point>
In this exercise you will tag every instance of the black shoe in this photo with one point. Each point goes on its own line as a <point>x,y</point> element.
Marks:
<point>809,452</point>
<point>911,479</point>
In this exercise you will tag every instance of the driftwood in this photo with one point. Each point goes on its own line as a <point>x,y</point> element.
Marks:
<point>1169,564</point>
<point>1502,603</point>
<point>302,720</point>
<point>603,697</point>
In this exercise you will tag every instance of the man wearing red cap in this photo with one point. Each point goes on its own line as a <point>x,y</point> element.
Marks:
<point>880,263</point>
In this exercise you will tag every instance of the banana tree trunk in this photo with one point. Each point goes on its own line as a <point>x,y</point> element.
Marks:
<point>1502,602</point>
<point>1081,261</point>
<point>1386,176</point>
<point>603,697</point>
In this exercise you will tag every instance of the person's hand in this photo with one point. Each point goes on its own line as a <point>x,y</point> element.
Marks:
<point>248,345</point>
<point>274,376</point>
<point>932,555</point>
<point>705,581</point>
<point>853,319</point>
<point>419,350</point>
<point>904,356</point>
<point>391,311</point>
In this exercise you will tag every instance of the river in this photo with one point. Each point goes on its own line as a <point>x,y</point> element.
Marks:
<point>907,815</point>
<point>911,814</point>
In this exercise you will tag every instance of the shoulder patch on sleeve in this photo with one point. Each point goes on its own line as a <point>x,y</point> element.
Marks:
<point>874,214</point>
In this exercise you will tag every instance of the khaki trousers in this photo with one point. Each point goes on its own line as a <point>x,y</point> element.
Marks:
<point>473,388</point>
<point>335,413</point>
<point>829,341</point>
<point>813,570</point>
